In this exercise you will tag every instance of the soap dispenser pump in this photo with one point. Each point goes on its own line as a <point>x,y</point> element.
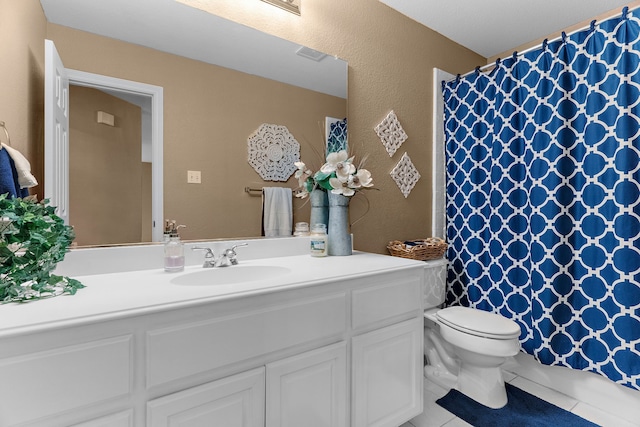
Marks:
<point>173,249</point>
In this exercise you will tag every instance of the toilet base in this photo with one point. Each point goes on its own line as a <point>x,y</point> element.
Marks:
<point>485,385</point>
<point>460,360</point>
<point>440,377</point>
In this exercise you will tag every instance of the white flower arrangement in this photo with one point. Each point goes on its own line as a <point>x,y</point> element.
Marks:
<point>338,175</point>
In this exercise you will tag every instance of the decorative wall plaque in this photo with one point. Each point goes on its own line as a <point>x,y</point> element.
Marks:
<point>405,175</point>
<point>273,152</point>
<point>391,133</point>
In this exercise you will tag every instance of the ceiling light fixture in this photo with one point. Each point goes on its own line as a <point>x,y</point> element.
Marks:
<point>292,6</point>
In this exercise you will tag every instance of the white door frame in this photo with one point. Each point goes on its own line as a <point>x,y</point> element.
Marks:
<point>97,81</point>
<point>439,190</point>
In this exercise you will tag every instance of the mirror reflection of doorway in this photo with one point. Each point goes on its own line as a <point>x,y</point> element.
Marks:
<point>109,167</point>
<point>149,98</point>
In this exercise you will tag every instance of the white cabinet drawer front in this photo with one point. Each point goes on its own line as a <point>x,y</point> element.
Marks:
<point>43,384</point>
<point>387,300</point>
<point>309,389</point>
<point>186,350</point>
<point>121,419</point>
<point>236,401</point>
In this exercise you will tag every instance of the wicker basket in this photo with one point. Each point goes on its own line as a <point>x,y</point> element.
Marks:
<point>422,249</point>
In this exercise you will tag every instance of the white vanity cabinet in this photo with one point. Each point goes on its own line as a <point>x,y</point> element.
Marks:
<point>327,353</point>
<point>387,375</point>
<point>236,401</point>
<point>47,378</point>
<point>121,419</point>
<point>309,389</point>
<point>288,386</point>
<point>387,360</point>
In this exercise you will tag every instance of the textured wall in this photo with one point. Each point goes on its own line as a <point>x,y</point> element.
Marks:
<point>105,165</point>
<point>576,27</point>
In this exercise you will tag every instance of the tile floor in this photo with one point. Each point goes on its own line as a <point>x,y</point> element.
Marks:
<point>436,416</point>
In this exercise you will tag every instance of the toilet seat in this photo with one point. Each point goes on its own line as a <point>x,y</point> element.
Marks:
<point>479,323</point>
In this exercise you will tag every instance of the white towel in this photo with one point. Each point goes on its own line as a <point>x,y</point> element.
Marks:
<point>277,214</point>
<point>23,167</point>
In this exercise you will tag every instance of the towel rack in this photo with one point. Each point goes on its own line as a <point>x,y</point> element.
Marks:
<point>252,191</point>
<point>258,191</point>
<point>6,132</point>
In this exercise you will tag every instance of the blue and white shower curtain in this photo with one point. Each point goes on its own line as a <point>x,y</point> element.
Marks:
<point>543,197</point>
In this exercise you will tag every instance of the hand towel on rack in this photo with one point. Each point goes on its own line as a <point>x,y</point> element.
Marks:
<point>9,176</point>
<point>23,167</point>
<point>277,214</point>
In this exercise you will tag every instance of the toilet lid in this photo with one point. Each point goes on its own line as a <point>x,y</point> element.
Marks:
<point>478,322</point>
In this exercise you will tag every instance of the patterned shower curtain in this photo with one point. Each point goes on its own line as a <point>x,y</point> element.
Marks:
<point>543,197</point>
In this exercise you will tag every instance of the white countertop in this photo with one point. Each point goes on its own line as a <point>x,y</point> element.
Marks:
<point>116,295</point>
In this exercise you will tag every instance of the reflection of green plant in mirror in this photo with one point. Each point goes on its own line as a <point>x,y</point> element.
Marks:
<point>32,241</point>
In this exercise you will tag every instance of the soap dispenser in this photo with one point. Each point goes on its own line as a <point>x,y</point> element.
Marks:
<point>173,249</point>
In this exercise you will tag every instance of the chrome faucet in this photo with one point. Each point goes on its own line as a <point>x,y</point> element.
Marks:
<point>228,257</point>
<point>209,257</point>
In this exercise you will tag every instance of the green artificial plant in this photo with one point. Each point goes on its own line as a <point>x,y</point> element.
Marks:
<point>33,239</point>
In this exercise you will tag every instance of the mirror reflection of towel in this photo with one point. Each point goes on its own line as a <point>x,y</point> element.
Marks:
<point>23,168</point>
<point>277,214</point>
<point>9,177</point>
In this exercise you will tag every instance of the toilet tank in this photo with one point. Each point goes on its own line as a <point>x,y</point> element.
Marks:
<point>435,282</point>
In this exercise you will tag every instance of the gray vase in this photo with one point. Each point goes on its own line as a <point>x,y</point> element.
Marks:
<point>338,233</point>
<point>319,207</point>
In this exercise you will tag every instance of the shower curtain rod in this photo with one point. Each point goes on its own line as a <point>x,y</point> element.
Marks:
<point>624,12</point>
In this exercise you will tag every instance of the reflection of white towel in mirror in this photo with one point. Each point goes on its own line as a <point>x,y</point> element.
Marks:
<point>23,168</point>
<point>277,214</point>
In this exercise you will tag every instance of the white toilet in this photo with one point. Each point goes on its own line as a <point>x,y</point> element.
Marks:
<point>465,347</point>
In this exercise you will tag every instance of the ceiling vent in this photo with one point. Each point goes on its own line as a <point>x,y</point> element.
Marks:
<point>292,6</point>
<point>308,53</point>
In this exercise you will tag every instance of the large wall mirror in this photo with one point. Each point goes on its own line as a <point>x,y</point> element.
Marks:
<point>221,81</point>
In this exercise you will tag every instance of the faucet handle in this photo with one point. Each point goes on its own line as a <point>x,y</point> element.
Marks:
<point>208,251</point>
<point>209,257</point>
<point>231,253</point>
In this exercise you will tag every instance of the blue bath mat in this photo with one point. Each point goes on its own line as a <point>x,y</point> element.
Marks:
<point>522,410</point>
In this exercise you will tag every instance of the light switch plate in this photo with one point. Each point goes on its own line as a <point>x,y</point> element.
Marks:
<point>193,177</point>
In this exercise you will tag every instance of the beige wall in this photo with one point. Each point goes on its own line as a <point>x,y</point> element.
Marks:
<point>390,61</point>
<point>105,172</point>
<point>569,30</point>
<point>22,33</point>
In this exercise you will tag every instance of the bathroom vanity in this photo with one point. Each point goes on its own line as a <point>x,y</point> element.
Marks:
<point>286,341</point>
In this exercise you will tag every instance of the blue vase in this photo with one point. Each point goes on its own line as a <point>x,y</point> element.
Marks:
<point>338,233</point>
<point>319,207</point>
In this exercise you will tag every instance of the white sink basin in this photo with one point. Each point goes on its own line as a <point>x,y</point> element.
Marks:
<point>230,275</point>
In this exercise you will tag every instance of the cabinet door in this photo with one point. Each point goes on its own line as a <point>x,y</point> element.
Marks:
<point>236,401</point>
<point>308,389</point>
<point>387,375</point>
